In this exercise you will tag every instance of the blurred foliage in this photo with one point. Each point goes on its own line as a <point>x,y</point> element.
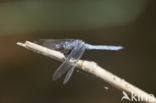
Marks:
<point>25,77</point>
<point>52,15</point>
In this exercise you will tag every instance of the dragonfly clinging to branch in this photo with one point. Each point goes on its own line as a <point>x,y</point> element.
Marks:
<point>71,48</point>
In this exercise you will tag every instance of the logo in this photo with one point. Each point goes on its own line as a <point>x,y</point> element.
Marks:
<point>140,97</point>
<point>125,96</point>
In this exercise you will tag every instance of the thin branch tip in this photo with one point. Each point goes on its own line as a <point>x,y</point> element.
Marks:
<point>21,44</point>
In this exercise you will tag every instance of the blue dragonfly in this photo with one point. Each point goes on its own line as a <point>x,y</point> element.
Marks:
<point>71,48</point>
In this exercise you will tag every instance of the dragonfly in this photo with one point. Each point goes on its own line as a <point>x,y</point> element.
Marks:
<point>72,49</point>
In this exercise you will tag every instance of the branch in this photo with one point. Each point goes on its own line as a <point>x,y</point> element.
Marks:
<point>94,69</point>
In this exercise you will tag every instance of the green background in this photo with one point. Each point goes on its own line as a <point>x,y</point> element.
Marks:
<point>25,77</point>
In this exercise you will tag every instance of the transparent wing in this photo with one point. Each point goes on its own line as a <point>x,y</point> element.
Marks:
<point>51,43</point>
<point>68,75</point>
<point>55,44</point>
<point>65,66</point>
<point>77,57</point>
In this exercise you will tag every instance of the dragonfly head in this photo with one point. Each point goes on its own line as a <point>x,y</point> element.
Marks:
<point>67,46</point>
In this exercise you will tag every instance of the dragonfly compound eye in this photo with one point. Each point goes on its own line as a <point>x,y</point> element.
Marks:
<point>67,46</point>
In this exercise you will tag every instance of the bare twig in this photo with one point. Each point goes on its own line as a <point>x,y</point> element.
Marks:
<point>94,69</point>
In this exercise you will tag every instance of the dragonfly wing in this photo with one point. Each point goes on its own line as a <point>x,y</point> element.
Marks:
<point>55,44</point>
<point>66,65</point>
<point>77,57</point>
<point>51,43</point>
<point>69,74</point>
